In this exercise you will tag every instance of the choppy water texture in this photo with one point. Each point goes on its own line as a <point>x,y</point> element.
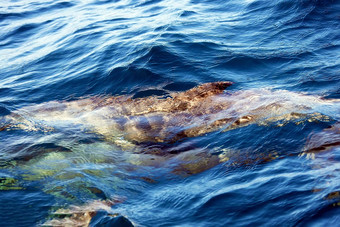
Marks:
<point>280,170</point>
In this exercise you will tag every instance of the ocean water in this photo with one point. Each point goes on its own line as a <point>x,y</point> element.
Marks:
<point>283,173</point>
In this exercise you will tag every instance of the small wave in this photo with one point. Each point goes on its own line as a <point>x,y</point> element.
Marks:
<point>130,76</point>
<point>23,13</point>
<point>26,151</point>
<point>24,32</point>
<point>187,13</point>
<point>148,2</point>
<point>3,111</point>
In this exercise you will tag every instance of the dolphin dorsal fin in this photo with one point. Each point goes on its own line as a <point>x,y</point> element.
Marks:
<point>208,89</point>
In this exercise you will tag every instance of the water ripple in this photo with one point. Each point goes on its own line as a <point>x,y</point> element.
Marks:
<point>67,50</point>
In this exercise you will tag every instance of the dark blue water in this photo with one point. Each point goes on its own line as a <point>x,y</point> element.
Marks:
<point>66,50</point>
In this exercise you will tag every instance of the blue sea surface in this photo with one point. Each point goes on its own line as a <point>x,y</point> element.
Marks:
<point>64,50</point>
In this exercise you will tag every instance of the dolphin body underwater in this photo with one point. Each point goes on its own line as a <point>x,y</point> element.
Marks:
<point>129,122</point>
<point>157,127</point>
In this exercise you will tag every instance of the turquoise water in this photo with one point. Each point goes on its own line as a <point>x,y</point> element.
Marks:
<point>71,50</point>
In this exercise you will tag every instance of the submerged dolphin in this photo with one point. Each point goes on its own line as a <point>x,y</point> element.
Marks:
<point>133,122</point>
<point>126,121</point>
